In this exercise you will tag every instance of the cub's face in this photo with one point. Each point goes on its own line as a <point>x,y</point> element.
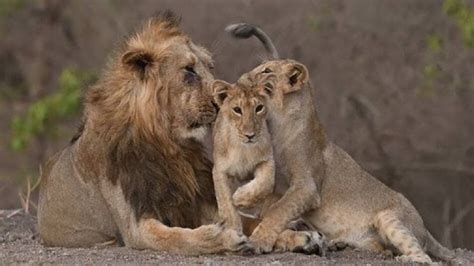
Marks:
<point>243,108</point>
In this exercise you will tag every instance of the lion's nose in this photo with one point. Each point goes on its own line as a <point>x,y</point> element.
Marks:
<point>250,136</point>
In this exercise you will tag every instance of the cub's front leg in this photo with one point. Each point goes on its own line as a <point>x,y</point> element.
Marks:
<point>301,196</point>
<point>259,188</point>
<point>227,211</point>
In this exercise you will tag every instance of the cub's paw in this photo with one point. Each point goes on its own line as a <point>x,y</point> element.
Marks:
<point>242,198</point>
<point>263,239</point>
<point>422,258</point>
<point>337,245</point>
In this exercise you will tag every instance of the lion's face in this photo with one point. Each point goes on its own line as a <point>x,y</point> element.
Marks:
<point>186,73</point>
<point>172,78</point>
<point>243,106</point>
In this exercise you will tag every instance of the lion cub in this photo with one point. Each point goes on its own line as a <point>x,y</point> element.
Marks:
<point>242,148</point>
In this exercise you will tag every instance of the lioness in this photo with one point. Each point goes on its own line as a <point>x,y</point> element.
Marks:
<point>356,208</point>
<point>136,169</point>
<point>242,149</point>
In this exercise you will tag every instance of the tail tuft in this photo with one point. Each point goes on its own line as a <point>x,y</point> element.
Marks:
<point>241,30</point>
<point>245,31</point>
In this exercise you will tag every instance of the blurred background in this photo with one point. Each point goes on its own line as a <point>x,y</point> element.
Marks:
<point>394,84</point>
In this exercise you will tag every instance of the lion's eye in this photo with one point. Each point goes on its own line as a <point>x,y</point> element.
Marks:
<point>190,75</point>
<point>259,108</point>
<point>237,110</point>
<point>267,70</point>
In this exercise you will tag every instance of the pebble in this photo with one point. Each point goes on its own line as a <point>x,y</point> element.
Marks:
<point>2,239</point>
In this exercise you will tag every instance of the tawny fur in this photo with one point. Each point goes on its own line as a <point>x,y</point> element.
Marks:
<point>137,168</point>
<point>299,162</point>
<point>355,207</point>
<point>242,150</point>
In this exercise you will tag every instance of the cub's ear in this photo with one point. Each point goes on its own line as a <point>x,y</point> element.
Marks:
<point>220,91</point>
<point>138,61</point>
<point>266,84</point>
<point>297,77</point>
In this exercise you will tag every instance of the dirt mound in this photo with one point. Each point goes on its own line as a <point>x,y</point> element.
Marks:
<point>19,243</point>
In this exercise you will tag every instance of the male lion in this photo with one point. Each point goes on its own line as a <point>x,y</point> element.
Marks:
<point>136,169</point>
<point>356,208</point>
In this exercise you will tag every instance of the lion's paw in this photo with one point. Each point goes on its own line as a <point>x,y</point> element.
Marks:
<point>210,232</point>
<point>235,241</point>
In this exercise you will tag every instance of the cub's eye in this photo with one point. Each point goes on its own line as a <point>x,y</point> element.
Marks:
<point>259,108</point>
<point>237,110</point>
<point>190,75</point>
<point>267,70</point>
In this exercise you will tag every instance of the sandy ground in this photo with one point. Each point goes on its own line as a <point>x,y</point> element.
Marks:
<point>19,243</point>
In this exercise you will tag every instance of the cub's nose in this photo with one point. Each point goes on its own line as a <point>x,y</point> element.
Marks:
<point>250,136</point>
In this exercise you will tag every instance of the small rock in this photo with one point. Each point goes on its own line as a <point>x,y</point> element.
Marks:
<point>2,239</point>
<point>11,237</point>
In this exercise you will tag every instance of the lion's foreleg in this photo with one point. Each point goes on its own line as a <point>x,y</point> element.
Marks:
<point>149,233</point>
<point>206,239</point>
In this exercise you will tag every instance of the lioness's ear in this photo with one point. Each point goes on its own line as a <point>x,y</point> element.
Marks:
<point>297,77</point>
<point>267,84</point>
<point>220,89</point>
<point>138,61</point>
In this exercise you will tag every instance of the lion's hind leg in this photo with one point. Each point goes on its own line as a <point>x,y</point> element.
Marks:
<point>393,231</point>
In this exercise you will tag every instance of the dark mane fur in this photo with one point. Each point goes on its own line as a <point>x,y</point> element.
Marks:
<point>149,180</point>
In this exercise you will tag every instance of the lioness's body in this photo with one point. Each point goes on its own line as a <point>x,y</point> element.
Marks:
<point>355,207</point>
<point>242,151</point>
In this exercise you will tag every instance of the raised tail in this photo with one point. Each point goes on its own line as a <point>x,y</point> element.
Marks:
<point>245,31</point>
<point>435,249</point>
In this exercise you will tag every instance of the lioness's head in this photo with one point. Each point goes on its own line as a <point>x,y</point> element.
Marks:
<point>160,83</point>
<point>291,77</point>
<point>243,106</point>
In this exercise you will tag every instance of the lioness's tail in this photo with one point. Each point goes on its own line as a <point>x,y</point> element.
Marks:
<point>244,31</point>
<point>435,249</point>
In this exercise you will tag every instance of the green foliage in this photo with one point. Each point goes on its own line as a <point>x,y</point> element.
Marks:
<point>464,16</point>
<point>9,6</point>
<point>431,70</point>
<point>42,115</point>
<point>434,43</point>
